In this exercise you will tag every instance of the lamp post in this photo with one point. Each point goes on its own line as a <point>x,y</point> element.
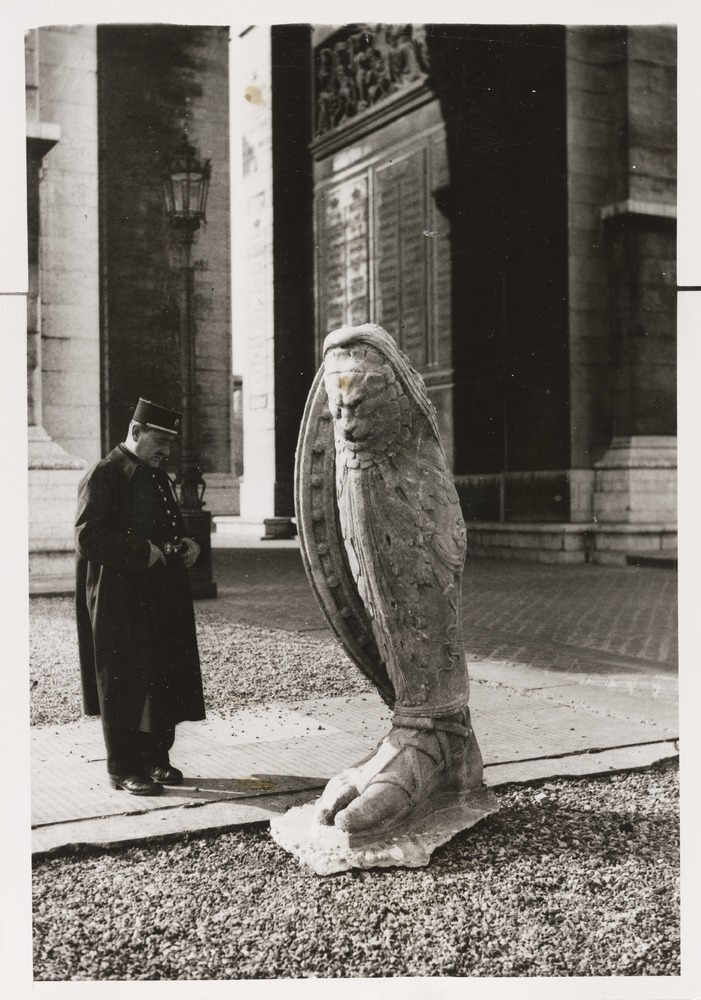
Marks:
<point>185,187</point>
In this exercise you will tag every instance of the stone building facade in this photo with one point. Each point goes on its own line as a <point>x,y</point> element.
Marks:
<point>502,200</point>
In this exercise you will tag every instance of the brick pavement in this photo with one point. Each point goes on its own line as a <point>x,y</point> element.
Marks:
<point>622,611</point>
<point>584,619</point>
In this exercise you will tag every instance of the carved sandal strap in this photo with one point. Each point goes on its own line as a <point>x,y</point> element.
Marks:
<point>443,755</point>
<point>428,723</point>
<point>394,779</point>
<point>444,744</point>
<point>413,779</point>
<point>434,757</point>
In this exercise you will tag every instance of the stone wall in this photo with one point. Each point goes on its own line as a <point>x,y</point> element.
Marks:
<point>156,83</point>
<point>596,150</point>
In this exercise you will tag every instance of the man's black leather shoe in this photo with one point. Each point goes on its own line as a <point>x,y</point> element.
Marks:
<point>167,775</point>
<point>136,784</point>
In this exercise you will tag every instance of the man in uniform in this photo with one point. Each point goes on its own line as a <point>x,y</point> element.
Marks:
<point>139,660</point>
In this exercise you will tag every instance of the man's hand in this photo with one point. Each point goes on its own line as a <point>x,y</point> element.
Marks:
<point>192,551</point>
<point>155,556</point>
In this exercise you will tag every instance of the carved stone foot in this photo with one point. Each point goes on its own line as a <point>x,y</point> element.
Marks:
<point>415,792</point>
<point>422,765</point>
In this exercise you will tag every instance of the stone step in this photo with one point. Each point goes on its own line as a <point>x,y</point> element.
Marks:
<point>521,554</point>
<point>51,543</point>
<point>232,525</point>
<point>603,544</point>
<point>47,563</point>
<point>50,534</point>
<point>58,477</point>
<point>654,560</point>
<point>52,586</point>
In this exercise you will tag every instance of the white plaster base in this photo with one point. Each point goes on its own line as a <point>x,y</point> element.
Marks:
<point>326,849</point>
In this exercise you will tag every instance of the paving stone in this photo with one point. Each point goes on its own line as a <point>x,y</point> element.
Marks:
<point>579,765</point>
<point>648,698</point>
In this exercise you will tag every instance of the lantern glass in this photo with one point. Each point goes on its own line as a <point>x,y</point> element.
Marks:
<point>181,193</point>
<point>202,190</point>
<point>168,195</point>
<point>186,186</point>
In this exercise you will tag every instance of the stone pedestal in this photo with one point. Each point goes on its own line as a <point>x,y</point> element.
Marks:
<point>635,482</point>
<point>277,528</point>
<point>198,525</point>
<point>635,499</point>
<point>53,477</point>
<point>222,494</point>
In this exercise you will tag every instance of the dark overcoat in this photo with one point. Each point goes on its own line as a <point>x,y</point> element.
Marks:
<point>139,660</point>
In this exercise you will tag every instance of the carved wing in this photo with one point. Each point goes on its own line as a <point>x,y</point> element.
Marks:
<point>431,501</point>
<point>321,543</point>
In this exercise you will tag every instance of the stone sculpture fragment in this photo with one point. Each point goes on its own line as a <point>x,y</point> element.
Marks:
<point>383,541</point>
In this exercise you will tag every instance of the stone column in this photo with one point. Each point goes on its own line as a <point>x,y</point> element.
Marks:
<point>69,241</point>
<point>62,315</point>
<point>621,170</point>
<point>621,184</point>
<point>635,480</point>
<point>254,334</point>
<point>595,150</point>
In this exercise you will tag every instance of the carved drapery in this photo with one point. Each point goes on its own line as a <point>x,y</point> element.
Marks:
<point>362,65</point>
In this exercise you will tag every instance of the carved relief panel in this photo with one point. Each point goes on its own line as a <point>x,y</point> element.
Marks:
<point>342,261</point>
<point>400,253</point>
<point>360,66</point>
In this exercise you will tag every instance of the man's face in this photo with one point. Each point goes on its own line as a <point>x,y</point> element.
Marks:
<point>151,446</point>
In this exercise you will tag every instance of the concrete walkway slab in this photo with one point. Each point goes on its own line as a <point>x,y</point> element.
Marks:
<point>262,760</point>
<point>648,697</point>
<point>587,764</point>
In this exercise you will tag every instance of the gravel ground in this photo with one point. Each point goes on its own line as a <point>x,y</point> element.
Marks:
<point>241,665</point>
<point>574,878</point>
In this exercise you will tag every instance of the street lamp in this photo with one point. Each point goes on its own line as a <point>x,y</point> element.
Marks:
<point>185,186</point>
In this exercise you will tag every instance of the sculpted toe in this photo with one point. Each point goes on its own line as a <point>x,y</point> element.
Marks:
<point>376,807</point>
<point>336,796</point>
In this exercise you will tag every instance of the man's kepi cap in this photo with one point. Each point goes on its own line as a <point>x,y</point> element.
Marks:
<point>158,417</point>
